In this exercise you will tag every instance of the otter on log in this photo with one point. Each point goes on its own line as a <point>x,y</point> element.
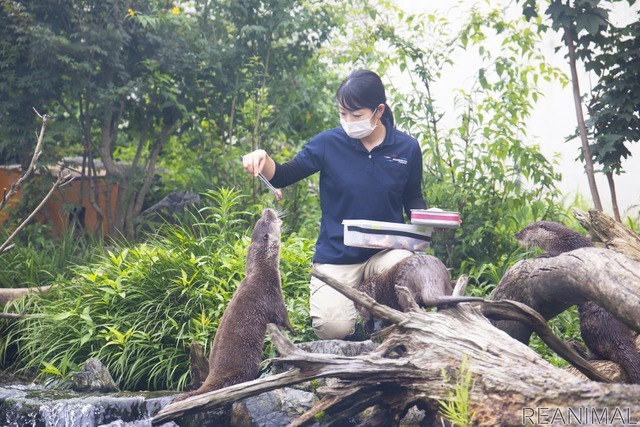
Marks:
<point>604,335</point>
<point>237,346</point>
<point>425,276</point>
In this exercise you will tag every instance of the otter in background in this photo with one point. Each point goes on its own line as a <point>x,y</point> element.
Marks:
<point>237,346</point>
<point>604,335</point>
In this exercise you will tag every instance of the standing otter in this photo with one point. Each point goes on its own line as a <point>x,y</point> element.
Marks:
<point>604,335</point>
<point>425,276</point>
<point>237,346</point>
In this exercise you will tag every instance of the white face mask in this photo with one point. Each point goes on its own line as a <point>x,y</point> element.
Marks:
<point>360,129</point>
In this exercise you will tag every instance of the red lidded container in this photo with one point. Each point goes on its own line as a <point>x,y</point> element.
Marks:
<point>436,218</point>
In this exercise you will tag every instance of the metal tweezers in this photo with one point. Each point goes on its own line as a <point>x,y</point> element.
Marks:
<point>266,182</point>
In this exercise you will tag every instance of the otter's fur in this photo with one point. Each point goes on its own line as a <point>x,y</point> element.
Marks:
<point>425,276</point>
<point>604,335</point>
<point>553,238</point>
<point>237,346</point>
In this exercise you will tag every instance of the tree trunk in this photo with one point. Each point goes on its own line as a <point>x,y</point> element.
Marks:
<point>420,357</point>
<point>614,196</point>
<point>612,233</point>
<point>582,128</point>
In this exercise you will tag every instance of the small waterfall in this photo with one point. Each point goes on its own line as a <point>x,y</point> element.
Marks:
<point>28,406</point>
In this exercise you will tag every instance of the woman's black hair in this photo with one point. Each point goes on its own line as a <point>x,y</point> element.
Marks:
<point>363,89</point>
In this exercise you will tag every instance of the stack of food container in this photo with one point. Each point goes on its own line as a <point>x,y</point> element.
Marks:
<point>415,236</point>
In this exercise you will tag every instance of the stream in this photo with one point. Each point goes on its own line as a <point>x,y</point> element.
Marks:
<point>28,405</point>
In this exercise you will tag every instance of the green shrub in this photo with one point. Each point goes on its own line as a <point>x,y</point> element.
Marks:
<point>138,308</point>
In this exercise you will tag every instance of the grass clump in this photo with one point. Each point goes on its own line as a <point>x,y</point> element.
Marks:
<point>456,408</point>
<point>138,308</point>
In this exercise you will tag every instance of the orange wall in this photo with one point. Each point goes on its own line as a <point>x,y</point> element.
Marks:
<point>56,210</point>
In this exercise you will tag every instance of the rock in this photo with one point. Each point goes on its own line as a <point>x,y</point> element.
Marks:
<point>94,377</point>
<point>414,417</point>
<point>220,417</point>
<point>272,409</point>
<point>281,407</point>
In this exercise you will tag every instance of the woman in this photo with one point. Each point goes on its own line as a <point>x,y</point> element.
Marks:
<point>368,170</point>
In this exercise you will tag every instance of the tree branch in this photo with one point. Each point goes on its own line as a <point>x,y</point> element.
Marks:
<point>60,182</point>
<point>32,166</point>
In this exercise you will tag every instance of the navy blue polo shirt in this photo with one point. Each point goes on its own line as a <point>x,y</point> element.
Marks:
<point>380,185</point>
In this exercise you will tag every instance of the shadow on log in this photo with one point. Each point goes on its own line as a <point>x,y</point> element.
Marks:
<point>419,360</point>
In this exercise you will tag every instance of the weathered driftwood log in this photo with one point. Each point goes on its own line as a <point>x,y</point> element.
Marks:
<point>613,234</point>
<point>8,294</point>
<point>418,363</point>
<point>552,285</point>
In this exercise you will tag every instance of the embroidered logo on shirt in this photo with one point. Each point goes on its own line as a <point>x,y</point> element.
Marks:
<point>395,159</point>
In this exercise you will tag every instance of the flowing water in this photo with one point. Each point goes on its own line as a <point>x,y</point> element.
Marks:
<point>30,406</point>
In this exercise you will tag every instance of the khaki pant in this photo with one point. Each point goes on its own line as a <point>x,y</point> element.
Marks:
<point>333,316</point>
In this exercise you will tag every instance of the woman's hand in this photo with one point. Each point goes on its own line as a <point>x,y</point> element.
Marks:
<point>258,162</point>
